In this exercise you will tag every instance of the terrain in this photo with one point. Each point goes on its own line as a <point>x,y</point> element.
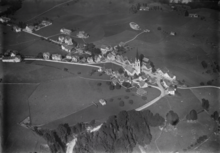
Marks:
<point>52,96</point>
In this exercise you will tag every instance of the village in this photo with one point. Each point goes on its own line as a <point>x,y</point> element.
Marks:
<point>139,73</point>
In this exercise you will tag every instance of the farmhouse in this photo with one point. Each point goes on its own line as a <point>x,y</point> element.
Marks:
<point>56,57</point>
<point>134,26</point>
<point>46,55</point>
<point>68,56</point>
<point>65,31</point>
<point>4,19</point>
<point>29,28</point>
<point>82,34</point>
<point>110,57</point>
<point>67,48</point>
<point>171,90</point>
<point>102,102</point>
<point>12,59</point>
<point>104,49</point>
<point>90,60</point>
<point>74,58</point>
<point>68,40</point>
<point>61,39</point>
<point>16,28</point>
<point>144,8</point>
<point>46,23</point>
<point>193,15</point>
<point>173,33</point>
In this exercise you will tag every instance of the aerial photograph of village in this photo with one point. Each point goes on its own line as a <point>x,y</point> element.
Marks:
<point>109,76</point>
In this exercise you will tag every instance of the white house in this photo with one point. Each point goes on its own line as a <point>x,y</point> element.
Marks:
<point>29,28</point>
<point>74,59</point>
<point>56,57</point>
<point>90,60</point>
<point>110,57</point>
<point>134,26</point>
<point>173,33</point>
<point>68,56</point>
<point>16,29</point>
<point>61,39</point>
<point>82,34</point>
<point>102,102</point>
<point>68,40</point>
<point>46,23</point>
<point>15,59</point>
<point>144,8</point>
<point>4,19</point>
<point>193,15</point>
<point>67,48</point>
<point>104,49</point>
<point>46,55</point>
<point>65,31</point>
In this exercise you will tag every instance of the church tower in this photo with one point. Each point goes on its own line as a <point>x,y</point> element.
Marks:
<point>137,64</point>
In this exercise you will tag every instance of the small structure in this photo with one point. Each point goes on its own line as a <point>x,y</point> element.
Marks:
<point>97,58</point>
<point>68,40</point>
<point>144,8</point>
<point>173,33</point>
<point>68,56</point>
<point>90,60</point>
<point>29,28</point>
<point>104,49</point>
<point>67,48</point>
<point>74,59</point>
<point>46,55</point>
<point>193,15</point>
<point>82,34</point>
<point>102,102</point>
<point>10,59</point>
<point>56,57</point>
<point>46,23</point>
<point>61,39</point>
<point>4,19</point>
<point>16,28</point>
<point>134,26</point>
<point>65,31</point>
<point>111,57</point>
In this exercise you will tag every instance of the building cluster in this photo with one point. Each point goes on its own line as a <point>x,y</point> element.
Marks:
<point>82,34</point>
<point>4,19</point>
<point>11,56</point>
<point>144,8</point>
<point>42,24</point>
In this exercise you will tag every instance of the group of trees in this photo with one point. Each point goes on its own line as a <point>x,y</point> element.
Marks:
<point>120,133</point>
<point>14,5</point>
<point>91,48</point>
<point>205,104</point>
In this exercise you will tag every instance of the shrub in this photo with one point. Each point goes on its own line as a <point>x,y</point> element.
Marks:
<point>159,28</point>
<point>118,86</point>
<point>99,84</point>
<point>111,87</point>
<point>144,98</point>
<point>126,97</point>
<point>127,90</point>
<point>111,100</point>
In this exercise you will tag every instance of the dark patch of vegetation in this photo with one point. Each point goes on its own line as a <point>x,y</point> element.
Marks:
<point>99,84</point>
<point>127,90</point>
<point>111,100</point>
<point>202,83</point>
<point>215,115</point>
<point>204,64</point>
<point>111,87</point>
<point>205,104</point>
<point>159,28</point>
<point>186,13</point>
<point>172,118</point>
<point>118,86</point>
<point>91,48</point>
<point>121,70</point>
<point>192,116</point>
<point>79,73</point>
<point>126,84</point>
<point>126,97</point>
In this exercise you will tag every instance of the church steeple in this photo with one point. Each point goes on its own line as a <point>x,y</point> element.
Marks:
<point>137,56</point>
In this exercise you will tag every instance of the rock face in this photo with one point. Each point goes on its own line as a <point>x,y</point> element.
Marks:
<point>121,133</point>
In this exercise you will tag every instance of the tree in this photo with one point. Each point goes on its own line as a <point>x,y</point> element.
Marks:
<point>22,25</point>
<point>131,101</point>
<point>186,13</point>
<point>192,115</point>
<point>111,87</point>
<point>215,115</point>
<point>204,64</point>
<point>121,103</point>
<point>118,86</point>
<point>159,28</point>
<point>172,118</point>
<point>205,104</point>
<point>121,70</point>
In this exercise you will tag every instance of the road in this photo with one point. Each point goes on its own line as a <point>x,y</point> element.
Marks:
<point>199,87</point>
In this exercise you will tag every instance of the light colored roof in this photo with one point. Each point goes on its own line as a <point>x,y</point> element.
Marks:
<point>129,68</point>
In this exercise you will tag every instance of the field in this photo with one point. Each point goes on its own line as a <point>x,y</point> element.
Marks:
<point>51,95</point>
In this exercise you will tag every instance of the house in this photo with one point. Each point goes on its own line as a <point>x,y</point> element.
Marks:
<point>46,23</point>
<point>68,40</point>
<point>110,57</point>
<point>88,52</point>
<point>74,59</point>
<point>102,102</point>
<point>173,33</point>
<point>97,58</point>
<point>15,59</point>
<point>65,31</point>
<point>90,60</point>
<point>119,59</point>
<point>144,8</point>
<point>108,71</point>
<point>134,26</point>
<point>56,57</point>
<point>82,34</point>
<point>69,56</point>
<point>4,19</point>
<point>16,28</point>
<point>171,90</point>
<point>129,69</point>
<point>29,28</point>
<point>193,15</point>
<point>104,49</point>
<point>83,60</point>
<point>61,39</point>
<point>67,48</point>
<point>46,55</point>
<point>115,81</point>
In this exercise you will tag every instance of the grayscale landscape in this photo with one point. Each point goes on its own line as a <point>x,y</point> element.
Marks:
<point>115,76</point>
